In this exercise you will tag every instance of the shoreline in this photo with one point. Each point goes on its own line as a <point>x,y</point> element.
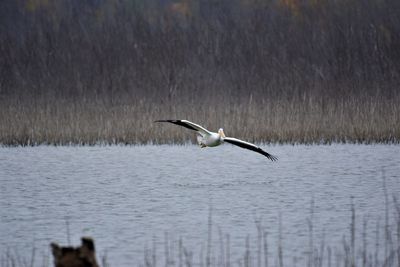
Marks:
<point>187,144</point>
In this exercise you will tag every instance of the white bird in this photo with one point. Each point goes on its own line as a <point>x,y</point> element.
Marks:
<point>205,138</point>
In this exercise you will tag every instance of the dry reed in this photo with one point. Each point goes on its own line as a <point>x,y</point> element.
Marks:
<point>271,121</point>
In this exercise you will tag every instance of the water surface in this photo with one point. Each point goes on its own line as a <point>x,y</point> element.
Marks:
<point>127,196</point>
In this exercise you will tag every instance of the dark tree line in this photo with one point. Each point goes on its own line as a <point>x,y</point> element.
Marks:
<point>108,48</point>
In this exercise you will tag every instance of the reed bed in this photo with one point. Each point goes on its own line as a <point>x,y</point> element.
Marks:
<point>88,72</point>
<point>281,121</point>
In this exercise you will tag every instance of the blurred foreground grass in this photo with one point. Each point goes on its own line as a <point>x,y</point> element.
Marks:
<point>356,248</point>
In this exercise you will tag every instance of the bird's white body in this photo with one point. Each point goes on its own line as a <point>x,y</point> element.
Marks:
<point>210,140</point>
<point>205,138</point>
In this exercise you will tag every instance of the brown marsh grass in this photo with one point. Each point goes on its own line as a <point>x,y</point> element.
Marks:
<point>292,121</point>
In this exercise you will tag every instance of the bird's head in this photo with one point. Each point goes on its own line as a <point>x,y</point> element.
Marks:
<point>221,132</point>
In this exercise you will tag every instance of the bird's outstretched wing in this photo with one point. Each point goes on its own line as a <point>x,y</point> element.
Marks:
<point>189,125</point>
<point>247,145</point>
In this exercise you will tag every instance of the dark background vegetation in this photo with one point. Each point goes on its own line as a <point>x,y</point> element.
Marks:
<point>307,71</point>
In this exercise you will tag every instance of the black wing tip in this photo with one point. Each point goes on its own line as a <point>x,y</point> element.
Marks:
<point>269,156</point>
<point>272,157</point>
<point>167,121</point>
<point>252,147</point>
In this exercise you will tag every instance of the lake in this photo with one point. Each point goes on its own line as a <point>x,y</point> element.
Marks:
<point>134,198</point>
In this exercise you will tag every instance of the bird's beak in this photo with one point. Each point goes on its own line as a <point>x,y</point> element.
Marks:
<point>221,133</point>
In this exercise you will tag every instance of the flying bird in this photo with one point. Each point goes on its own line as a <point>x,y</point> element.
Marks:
<point>205,138</point>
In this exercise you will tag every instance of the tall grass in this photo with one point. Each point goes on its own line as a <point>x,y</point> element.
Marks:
<point>268,71</point>
<point>308,121</point>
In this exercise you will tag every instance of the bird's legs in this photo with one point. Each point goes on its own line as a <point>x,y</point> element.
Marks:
<point>200,141</point>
